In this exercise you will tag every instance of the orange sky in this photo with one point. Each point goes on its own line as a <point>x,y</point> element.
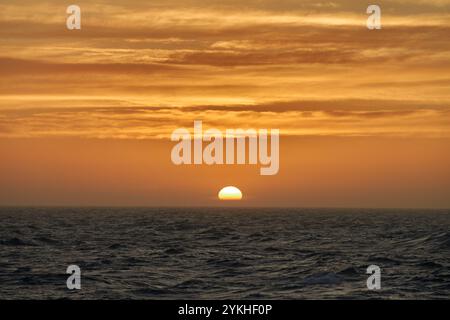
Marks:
<point>85,115</point>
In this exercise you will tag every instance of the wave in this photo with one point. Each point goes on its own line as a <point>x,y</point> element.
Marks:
<point>323,278</point>
<point>16,242</point>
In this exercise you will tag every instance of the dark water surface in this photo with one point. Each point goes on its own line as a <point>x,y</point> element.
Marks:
<point>224,253</point>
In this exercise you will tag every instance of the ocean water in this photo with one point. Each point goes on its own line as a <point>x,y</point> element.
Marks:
<point>224,253</point>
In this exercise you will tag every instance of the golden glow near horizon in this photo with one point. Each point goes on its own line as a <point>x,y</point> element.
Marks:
<point>230,193</point>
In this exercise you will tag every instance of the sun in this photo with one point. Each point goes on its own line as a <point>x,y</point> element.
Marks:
<point>230,193</point>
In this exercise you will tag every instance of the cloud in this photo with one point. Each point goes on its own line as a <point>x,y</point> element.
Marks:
<point>137,69</point>
<point>11,66</point>
<point>159,122</point>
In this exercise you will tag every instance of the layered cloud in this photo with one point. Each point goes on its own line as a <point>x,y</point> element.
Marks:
<point>138,69</point>
<point>159,122</point>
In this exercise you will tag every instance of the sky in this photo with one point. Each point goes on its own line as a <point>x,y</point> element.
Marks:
<point>86,115</point>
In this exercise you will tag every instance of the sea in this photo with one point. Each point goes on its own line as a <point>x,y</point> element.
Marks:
<point>224,253</point>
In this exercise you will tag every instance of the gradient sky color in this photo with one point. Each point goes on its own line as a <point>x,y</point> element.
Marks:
<point>85,116</point>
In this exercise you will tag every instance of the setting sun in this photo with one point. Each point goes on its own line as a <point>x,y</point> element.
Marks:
<point>230,193</point>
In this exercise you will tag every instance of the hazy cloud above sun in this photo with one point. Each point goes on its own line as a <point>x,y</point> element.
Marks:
<point>137,69</point>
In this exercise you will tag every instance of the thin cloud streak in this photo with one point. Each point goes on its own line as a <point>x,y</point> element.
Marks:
<point>158,123</point>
